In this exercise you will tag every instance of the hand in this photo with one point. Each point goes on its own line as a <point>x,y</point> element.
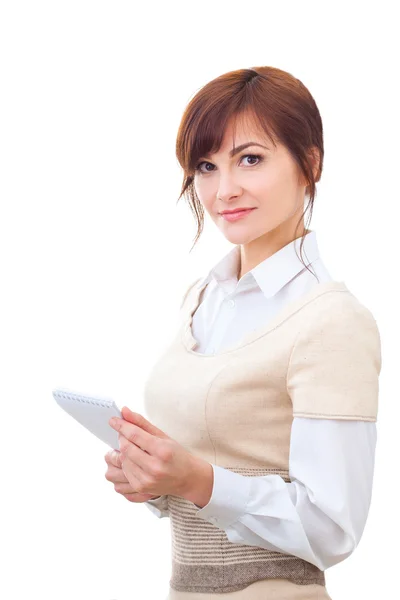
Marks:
<point>152,462</point>
<point>116,475</point>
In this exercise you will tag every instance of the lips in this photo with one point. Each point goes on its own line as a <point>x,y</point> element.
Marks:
<point>233,212</point>
<point>239,214</point>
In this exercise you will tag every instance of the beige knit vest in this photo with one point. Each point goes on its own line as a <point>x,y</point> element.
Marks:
<point>319,357</point>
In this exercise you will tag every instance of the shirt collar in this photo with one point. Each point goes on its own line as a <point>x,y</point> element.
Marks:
<point>271,274</point>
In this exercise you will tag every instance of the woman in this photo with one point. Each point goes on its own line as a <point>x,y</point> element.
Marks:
<point>262,432</point>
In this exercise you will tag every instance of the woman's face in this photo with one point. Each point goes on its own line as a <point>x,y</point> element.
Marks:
<point>265,179</point>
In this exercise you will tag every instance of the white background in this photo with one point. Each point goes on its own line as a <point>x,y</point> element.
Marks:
<point>95,253</point>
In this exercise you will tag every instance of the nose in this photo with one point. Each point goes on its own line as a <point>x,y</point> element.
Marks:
<point>228,190</point>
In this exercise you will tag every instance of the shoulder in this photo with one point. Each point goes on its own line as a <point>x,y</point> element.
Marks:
<point>336,360</point>
<point>339,311</point>
<point>338,327</point>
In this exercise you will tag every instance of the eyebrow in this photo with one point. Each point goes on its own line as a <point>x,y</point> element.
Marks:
<point>242,147</point>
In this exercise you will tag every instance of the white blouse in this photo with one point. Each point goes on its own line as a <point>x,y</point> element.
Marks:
<point>321,514</point>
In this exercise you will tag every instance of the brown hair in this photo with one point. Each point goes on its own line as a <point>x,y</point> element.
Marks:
<point>280,103</point>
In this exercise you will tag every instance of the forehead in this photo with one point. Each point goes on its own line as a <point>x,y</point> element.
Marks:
<point>241,130</point>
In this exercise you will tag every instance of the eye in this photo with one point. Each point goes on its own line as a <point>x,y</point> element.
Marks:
<point>258,157</point>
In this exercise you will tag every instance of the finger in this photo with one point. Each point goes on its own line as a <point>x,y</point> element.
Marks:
<point>138,497</point>
<point>115,475</point>
<point>141,438</point>
<point>124,488</point>
<point>113,457</point>
<point>137,457</point>
<point>138,478</point>
<point>143,423</point>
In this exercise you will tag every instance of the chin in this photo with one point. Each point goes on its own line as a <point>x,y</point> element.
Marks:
<point>239,237</point>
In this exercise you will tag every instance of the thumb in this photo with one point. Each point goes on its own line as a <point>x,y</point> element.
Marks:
<point>143,423</point>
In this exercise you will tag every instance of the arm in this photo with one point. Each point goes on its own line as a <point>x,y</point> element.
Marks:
<point>321,514</point>
<point>333,384</point>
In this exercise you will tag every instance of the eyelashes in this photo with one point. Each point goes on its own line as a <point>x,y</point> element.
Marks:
<point>259,158</point>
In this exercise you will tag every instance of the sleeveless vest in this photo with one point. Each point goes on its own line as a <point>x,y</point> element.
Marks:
<point>319,356</point>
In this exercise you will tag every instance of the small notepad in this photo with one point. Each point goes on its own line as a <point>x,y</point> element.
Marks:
<point>93,412</point>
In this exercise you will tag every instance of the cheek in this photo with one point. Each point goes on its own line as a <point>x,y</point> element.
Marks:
<point>273,187</point>
<point>205,194</point>
<point>264,191</point>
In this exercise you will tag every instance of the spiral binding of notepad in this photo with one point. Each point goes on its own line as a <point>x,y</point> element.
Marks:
<point>84,408</point>
<point>69,394</point>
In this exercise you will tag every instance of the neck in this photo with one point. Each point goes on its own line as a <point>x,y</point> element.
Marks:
<point>255,252</point>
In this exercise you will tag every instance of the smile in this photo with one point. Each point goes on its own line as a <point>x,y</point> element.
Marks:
<point>236,215</point>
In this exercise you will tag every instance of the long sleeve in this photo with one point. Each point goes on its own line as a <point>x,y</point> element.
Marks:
<point>321,514</point>
<point>158,506</point>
